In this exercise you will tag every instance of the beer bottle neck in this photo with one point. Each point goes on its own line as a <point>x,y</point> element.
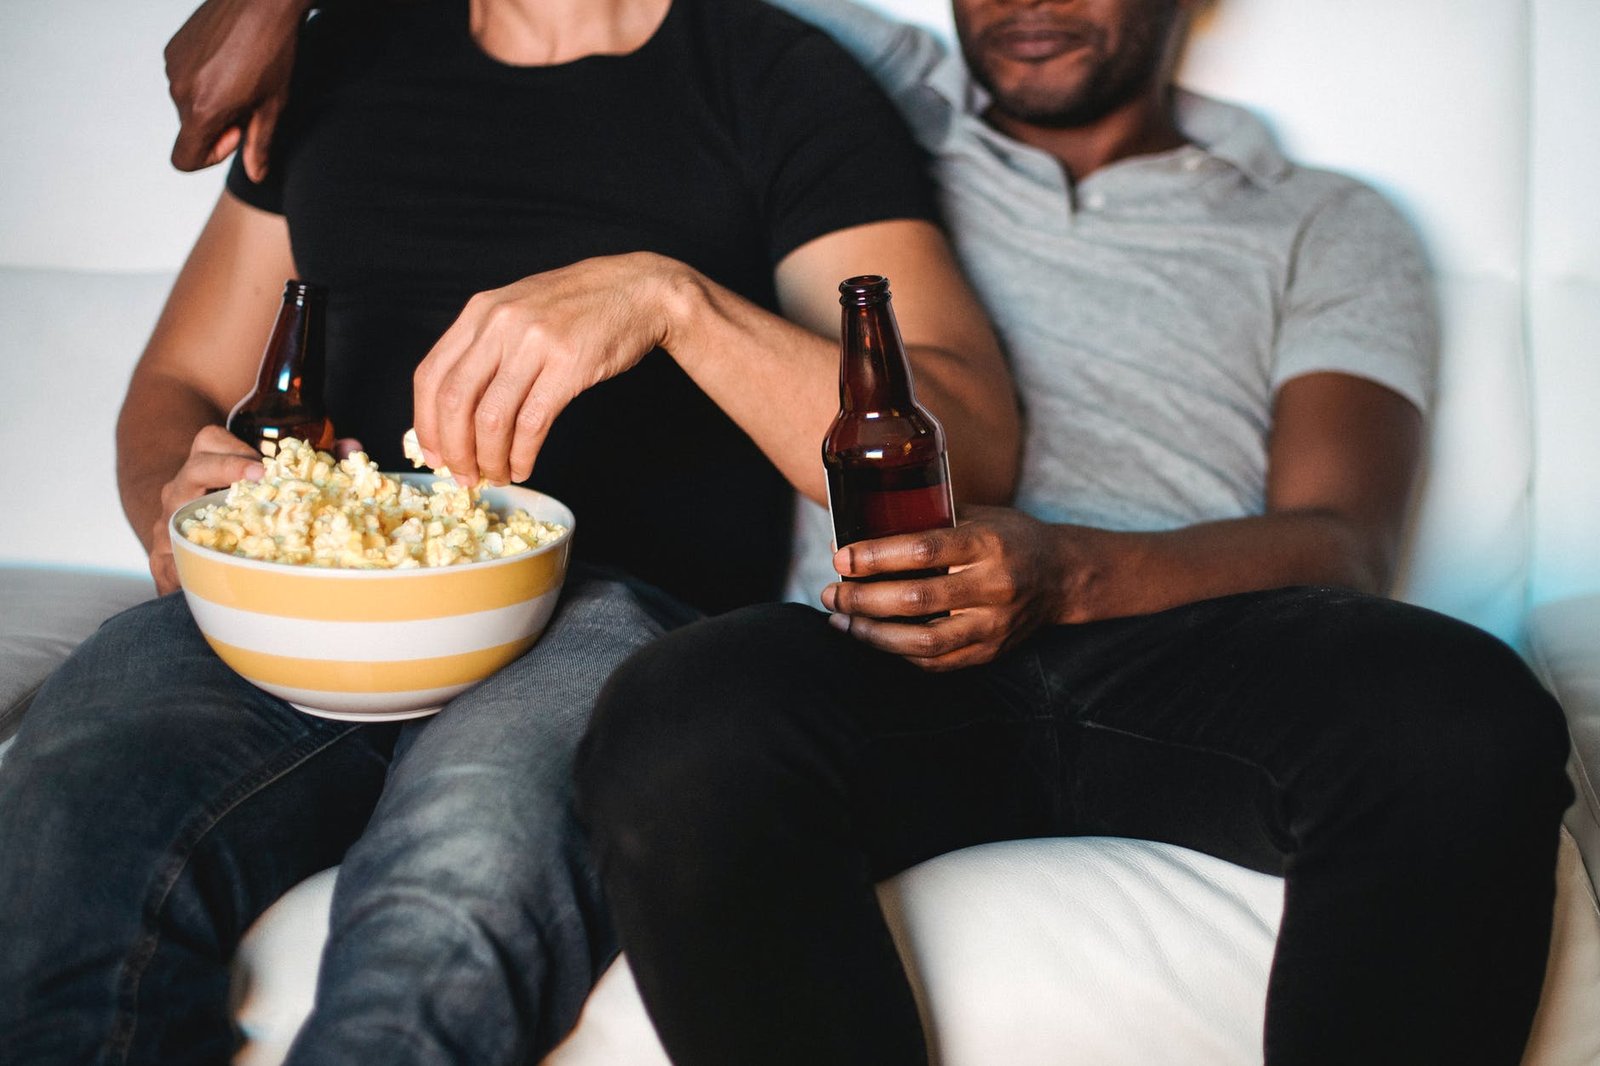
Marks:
<point>874,374</point>
<point>292,364</point>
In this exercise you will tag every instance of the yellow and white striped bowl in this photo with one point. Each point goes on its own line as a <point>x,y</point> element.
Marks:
<point>374,645</point>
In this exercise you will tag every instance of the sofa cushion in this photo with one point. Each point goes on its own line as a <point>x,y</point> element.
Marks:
<point>50,610</point>
<point>1025,953</point>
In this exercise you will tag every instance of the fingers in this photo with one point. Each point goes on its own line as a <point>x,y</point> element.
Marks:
<point>942,644</point>
<point>164,568</point>
<point>484,400</point>
<point>345,447</point>
<point>163,565</point>
<point>216,460</point>
<point>226,143</point>
<point>429,377</point>
<point>448,387</point>
<point>548,398</point>
<point>913,598</point>
<point>258,145</point>
<point>929,550</point>
<point>203,144</point>
<point>510,399</point>
<point>205,473</point>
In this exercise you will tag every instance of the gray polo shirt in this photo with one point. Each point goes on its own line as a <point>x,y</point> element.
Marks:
<point>1151,311</point>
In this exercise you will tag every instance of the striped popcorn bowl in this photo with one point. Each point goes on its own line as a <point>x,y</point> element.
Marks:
<point>374,645</point>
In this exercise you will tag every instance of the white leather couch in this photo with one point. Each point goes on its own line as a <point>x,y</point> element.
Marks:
<point>1477,116</point>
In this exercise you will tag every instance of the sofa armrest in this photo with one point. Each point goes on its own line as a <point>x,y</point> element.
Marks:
<point>1564,639</point>
<point>53,610</point>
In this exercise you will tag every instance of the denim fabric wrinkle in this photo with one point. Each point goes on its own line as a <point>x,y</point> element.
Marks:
<point>126,1024</point>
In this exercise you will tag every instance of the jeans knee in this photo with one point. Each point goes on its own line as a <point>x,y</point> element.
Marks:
<point>454,840</point>
<point>1444,715</point>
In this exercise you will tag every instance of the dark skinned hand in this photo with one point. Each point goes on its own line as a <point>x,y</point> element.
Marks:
<point>228,71</point>
<point>1009,575</point>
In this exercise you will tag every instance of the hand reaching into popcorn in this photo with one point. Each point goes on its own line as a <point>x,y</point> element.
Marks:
<point>488,392</point>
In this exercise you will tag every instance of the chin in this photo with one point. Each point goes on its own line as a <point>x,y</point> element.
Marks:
<point>1049,94</point>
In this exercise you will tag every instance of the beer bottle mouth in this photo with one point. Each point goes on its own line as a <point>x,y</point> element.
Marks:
<point>303,292</point>
<point>863,289</point>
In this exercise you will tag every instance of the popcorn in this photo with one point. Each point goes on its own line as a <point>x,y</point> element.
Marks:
<point>309,509</point>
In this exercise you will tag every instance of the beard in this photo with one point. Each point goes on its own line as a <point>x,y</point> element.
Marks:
<point>1114,78</point>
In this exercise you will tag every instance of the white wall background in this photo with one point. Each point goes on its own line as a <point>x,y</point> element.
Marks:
<point>84,137</point>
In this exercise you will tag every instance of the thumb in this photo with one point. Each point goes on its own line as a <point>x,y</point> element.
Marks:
<point>200,144</point>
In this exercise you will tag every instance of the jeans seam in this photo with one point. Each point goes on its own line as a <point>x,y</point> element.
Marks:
<point>125,1026</point>
<point>1059,792</point>
<point>1185,746</point>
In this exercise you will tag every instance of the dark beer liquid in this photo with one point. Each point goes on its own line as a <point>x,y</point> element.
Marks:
<point>884,452</point>
<point>876,501</point>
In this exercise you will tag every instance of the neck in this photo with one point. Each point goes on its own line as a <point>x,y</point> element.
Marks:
<point>547,32</point>
<point>1144,125</point>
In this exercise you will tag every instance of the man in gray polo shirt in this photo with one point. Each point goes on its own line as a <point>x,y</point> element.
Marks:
<point>1177,634</point>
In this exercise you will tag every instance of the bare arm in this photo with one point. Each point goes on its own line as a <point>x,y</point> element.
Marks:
<point>1340,465</point>
<point>1341,462</point>
<point>201,358</point>
<point>489,390</point>
<point>786,398</point>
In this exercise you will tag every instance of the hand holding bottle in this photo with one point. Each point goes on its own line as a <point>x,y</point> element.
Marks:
<point>1008,575</point>
<point>888,472</point>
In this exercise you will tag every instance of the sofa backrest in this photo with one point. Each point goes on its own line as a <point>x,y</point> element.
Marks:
<point>1563,297</point>
<point>1473,115</point>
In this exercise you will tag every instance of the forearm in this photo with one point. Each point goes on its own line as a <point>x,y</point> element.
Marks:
<point>158,423</point>
<point>780,383</point>
<point>1114,574</point>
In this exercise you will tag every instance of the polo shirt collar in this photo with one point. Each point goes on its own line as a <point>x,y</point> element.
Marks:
<point>1233,135</point>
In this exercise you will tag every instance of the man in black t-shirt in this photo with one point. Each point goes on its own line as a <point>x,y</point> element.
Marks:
<point>558,239</point>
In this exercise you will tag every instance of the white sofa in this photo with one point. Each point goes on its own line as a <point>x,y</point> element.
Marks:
<point>1475,115</point>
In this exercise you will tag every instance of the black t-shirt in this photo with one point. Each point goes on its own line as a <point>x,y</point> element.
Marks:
<point>415,170</point>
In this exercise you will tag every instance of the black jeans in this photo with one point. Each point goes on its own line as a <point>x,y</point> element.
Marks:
<point>747,779</point>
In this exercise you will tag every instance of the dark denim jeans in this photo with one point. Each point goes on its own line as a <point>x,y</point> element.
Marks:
<point>748,778</point>
<point>155,803</point>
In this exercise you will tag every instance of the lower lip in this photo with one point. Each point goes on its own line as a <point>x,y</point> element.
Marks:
<point>1034,47</point>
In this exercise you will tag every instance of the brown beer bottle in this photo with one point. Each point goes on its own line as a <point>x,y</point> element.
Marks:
<point>287,399</point>
<point>885,454</point>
